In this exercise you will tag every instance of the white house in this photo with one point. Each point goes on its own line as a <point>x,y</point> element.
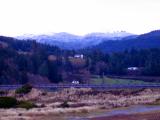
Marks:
<point>132,68</point>
<point>75,82</point>
<point>79,56</point>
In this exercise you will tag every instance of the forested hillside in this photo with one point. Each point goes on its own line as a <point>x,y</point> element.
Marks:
<point>144,41</point>
<point>31,62</point>
<point>21,60</point>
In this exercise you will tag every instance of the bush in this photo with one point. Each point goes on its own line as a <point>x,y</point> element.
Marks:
<point>24,89</point>
<point>2,92</point>
<point>11,102</point>
<point>44,94</point>
<point>26,104</point>
<point>64,104</point>
<point>7,102</point>
<point>156,102</point>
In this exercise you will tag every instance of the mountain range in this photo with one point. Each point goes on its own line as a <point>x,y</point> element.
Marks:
<point>106,42</point>
<point>69,41</point>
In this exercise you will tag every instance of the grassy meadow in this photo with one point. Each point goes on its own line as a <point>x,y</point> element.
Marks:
<point>115,81</point>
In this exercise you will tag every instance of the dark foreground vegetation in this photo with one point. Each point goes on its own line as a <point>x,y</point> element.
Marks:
<point>24,62</point>
<point>12,102</point>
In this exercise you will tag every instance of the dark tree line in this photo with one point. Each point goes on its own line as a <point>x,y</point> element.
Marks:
<point>148,60</point>
<point>19,59</point>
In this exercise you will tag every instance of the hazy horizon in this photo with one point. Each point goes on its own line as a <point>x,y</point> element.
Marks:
<point>78,17</point>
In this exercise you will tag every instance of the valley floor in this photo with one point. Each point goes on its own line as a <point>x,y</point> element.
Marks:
<point>80,101</point>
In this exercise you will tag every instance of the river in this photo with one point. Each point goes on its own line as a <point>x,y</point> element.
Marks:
<point>119,111</point>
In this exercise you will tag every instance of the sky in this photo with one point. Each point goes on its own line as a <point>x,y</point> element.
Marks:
<point>18,17</point>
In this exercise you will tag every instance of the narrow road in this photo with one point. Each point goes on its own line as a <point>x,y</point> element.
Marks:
<point>54,86</point>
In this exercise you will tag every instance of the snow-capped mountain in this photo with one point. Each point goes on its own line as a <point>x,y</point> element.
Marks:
<point>117,34</point>
<point>70,41</point>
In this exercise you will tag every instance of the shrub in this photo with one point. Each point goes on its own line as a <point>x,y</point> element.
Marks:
<point>2,92</point>
<point>156,102</point>
<point>11,102</point>
<point>24,89</point>
<point>25,104</point>
<point>7,102</point>
<point>64,104</point>
<point>44,94</point>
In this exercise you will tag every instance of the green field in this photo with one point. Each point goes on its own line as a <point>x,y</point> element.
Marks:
<point>113,81</point>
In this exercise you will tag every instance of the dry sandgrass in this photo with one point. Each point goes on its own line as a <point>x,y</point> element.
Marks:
<point>79,100</point>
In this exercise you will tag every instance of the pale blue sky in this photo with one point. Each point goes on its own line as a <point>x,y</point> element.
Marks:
<point>79,17</point>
